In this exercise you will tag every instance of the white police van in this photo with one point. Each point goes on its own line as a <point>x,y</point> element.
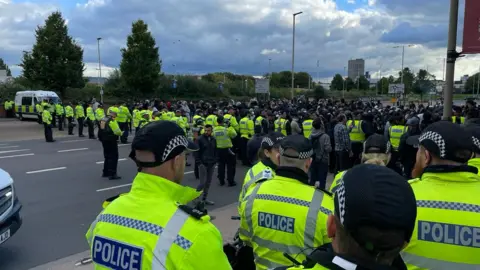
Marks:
<point>10,220</point>
<point>25,102</point>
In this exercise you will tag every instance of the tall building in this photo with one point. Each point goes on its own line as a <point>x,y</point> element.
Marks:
<point>356,68</point>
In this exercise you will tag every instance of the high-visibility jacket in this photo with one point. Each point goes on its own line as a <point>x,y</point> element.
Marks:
<point>46,117</point>
<point>233,121</point>
<point>223,136</point>
<point>99,114</point>
<point>276,217</point>
<point>447,229</point>
<point>258,122</point>
<point>109,130</point>
<point>180,122</point>
<point>196,117</point>
<point>307,128</point>
<point>475,162</point>
<point>395,133</point>
<point>39,108</point>
<point>246,128</point>
<point>356,133</point>
<point>135,116</point>
<point>7,105</point>
<point>462,120</point>
<point>283,126</point>
<point>113,109</point>
<point>59,110</point>
<point>123,115</point>
<point>211,120</point>
<point>51,108</point>
<point>131,233</point>
<point>69,111</point>
<point>276,125</point>
<point>79,111</point>
<point>257,172</point>
<point>90,114</point>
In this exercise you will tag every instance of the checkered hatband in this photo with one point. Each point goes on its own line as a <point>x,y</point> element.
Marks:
<point>476,142</point>
<point>174,143</point>
<point>340,193</point>
<point>268,141</point>
<point>437,139</point>
<point>301,155</point>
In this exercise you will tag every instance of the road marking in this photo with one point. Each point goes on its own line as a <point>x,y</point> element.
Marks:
<point>125,185</point>
<point>69,141</point>
<point>12,151</point>
<point>71,150</point>
<point>101,162</point>
<point>47,170</point>
<point>13,146</point>
<point>124,144</point>
<point>22,155</point>
<point>2,144</point>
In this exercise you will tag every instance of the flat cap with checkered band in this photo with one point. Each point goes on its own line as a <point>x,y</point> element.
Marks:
<point>272,139</point>
<point>299,143</point>
<point>445,139</point>
<point>474,130</point>
<point>165,139</point>
<point>375,196</point>
<point>376,143</point>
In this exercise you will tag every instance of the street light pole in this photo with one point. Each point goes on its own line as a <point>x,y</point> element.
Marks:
<point>100,69</point>
<point>452,56</point>
<point>269,68</point>
<point>344,81</point>
<point>293,53</point>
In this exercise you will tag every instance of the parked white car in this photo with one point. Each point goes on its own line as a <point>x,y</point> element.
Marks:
<point>10,206</point>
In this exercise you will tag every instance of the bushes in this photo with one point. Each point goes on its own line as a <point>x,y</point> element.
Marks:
<point>8,90</point>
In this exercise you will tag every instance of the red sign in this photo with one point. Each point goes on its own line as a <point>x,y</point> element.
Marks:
<point>471,27</point>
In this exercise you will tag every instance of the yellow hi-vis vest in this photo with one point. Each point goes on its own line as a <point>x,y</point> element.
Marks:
<point>283,215</point>
<point>211,120</point>
<point>255,173</point>
<point>307,128</point>
<point>454,120</point>
<point>283,126</point>
<point>258,121</point>
<point>131,234</point>
<point>356,134</point>
<point>223,136</point>
<point>276,125</point>
<point>447,228</point>
<point>246,128</point>
<point>395,134</point>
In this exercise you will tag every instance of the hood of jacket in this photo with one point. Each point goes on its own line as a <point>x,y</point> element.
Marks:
<point>316,133</point>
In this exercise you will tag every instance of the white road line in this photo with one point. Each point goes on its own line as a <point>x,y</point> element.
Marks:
<point>70,141</point>
<point>47,170</point>
<point>121,159</point>
<point>13,146</point>
<point>125,185</point>
<point>125,144</point>
<point>71,150</point>
<point>13,151</point>
<point>22,155</point>
<point>2,144</point>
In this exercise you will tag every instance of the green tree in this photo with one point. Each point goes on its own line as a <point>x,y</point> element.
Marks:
<point>350,84</point>
<point>362,83</point>
<point>3,66</point>
<point>423,83</point>
<point>56,60</point>
<point>382,85</point>
<point>337,82</point>
<point>302,79</point>
<point>408,79</point>
<point>472,83</point>
<point>319,92</point>
<point>141,63</point>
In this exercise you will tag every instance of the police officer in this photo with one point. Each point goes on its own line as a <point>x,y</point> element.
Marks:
<point>99,115</point>
<point>446,189</point>
<point>373,221</point>
<point>268,155</point>
<point>60,110</point>
<point>357,137</point>
<point>285,214</point>
<point>407,152</point>
<point>474,129</point>
<point>80,116</point>
<point>124,117</point>
<point>91,121</point>
<point>226,157</point>
<point>47,120</point>
<point>262,121</point>
<point>69,113</point>
<point>246,128</point>
<point>151,227</point>
<point>109,132</point>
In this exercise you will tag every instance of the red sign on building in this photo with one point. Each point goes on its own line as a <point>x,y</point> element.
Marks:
<point>471,27</point>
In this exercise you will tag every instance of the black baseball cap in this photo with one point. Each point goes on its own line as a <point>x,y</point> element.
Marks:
<point>375,196</point>
<point>272,139</point>
<point>299,143</point>
<point>445,139</point>
<point>474,131</point>
<point>376,143</point>
<point>165,139</point>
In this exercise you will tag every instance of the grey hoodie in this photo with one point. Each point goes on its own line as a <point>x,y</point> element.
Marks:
<point>321,146</point>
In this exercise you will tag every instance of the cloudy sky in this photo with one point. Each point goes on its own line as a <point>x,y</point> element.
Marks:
<point>201,36</point>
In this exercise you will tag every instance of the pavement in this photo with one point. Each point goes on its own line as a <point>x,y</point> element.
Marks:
<point>61,189</point>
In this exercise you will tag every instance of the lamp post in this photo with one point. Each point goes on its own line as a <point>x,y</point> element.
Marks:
<point>344,81</point>
<point>269,68</point>
<point>293,52</point>
<point>99,69</point>
<point>403,58</point>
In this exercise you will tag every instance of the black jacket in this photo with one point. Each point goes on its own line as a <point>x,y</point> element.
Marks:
<point>207,153</point>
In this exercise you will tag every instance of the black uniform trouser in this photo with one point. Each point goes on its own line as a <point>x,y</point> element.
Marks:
<point>243,151</point>
<point>124,128</point>
<point>357,149</point>
<point>110,153</point>
<point>61,119</point>
<point>342,161</point>
<point>98,131</point>
<point>91,129</point>
<point>54,120</point>
<point>70,125</point>
<point>48,132</point>
<point>40,121</point>
<point>226,158</point>
<point>80,125</point>
<point>195,170</point>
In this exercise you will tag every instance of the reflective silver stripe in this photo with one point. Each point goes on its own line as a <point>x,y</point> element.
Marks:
<point>312,216</point>
<point>428,263</point>
<point>168,237</point>
<point>290,249</point>
<point>248,184</point>
<point>249,207</point>
<point>269,264</point>
<point>242,231</point>
<point>92,227</point>
<point>458,206</point>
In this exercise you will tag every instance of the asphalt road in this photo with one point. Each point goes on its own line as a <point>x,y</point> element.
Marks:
<point>61,189</point>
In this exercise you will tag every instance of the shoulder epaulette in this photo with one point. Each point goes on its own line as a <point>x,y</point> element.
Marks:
<point>264,175</point>
<point>193,212</point>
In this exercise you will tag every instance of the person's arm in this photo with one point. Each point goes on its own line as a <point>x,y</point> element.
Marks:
<point>206,252</point>
<point>327,146</point>
<point>115,128</point>
<point>199,153</point>
<point>346,139</point>
<point>231,132</point>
